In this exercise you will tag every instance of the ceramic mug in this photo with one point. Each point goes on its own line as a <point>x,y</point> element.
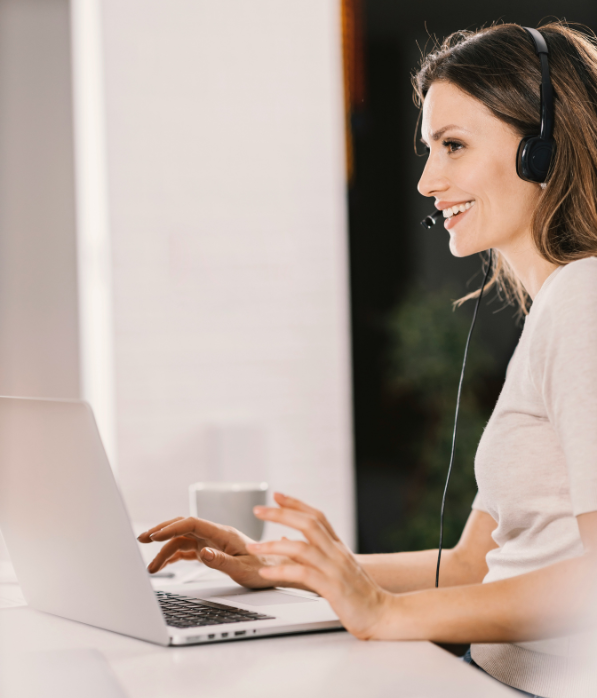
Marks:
<point>229,503</point>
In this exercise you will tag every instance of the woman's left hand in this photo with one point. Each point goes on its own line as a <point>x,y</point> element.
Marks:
<point>325,565</point>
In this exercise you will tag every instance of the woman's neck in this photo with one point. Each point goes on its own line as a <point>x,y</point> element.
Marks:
<point>528,265</point>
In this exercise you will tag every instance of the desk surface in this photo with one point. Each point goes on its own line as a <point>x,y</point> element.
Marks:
<point>301,666</point>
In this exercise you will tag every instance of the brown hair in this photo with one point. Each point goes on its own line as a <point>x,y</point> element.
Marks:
<point>498,66</point>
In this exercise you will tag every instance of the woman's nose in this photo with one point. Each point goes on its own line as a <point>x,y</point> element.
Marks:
<point>432,180</point>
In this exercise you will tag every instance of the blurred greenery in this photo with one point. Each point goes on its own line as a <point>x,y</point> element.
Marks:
<point>427,342</point>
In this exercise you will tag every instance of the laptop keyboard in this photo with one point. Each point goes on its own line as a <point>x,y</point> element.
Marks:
<point>189,612</point>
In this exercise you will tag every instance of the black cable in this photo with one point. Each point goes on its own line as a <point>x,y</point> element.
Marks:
<point>470,333</point>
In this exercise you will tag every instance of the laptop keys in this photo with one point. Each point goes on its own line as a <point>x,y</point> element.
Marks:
<point>188,612</point>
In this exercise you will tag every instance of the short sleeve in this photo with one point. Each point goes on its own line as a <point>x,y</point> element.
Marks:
<point>564,371</point>
<point>478,504</point>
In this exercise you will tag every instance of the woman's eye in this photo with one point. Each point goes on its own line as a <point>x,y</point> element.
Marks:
<point>452,146</point>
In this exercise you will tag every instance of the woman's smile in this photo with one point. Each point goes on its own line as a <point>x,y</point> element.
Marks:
<point>454,213</point>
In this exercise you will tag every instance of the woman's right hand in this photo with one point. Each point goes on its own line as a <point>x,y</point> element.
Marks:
<point>220,547</point>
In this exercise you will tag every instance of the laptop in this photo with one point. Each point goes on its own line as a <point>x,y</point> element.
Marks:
<point>75,555</point>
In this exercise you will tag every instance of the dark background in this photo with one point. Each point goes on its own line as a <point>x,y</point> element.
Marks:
<point>407,342</point>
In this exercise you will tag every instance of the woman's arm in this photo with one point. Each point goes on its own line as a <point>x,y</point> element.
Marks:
<point>550,601</point>
<point>464,564</point>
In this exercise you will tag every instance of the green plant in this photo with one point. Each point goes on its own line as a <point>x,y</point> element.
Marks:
<point>427,344</point>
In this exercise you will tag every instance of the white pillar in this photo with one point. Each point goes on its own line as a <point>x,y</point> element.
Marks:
<point>39,324</point>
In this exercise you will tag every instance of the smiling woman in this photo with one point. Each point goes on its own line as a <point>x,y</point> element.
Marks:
<point>497,68</point>
<point>519,583</point>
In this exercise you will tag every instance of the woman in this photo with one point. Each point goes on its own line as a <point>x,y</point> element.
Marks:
<point>523,569</point>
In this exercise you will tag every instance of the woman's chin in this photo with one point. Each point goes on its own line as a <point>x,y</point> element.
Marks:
<point>460,249</point>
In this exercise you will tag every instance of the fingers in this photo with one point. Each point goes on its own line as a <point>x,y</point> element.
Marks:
<point>185,555</point>
<point>291,503</point>
<point>296,550</point>
<point>308,525</point>
<point>181,555</point>
<point>218,560</point>
<point>296,574</point>
<point>145,536</point>
<point>169,550</point>
<point>198,528</point>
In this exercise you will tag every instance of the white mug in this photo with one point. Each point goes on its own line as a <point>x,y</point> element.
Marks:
<point>229,503</point>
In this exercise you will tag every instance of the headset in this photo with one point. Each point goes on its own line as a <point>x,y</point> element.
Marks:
<point>533,160</point>
<point>535,153</point>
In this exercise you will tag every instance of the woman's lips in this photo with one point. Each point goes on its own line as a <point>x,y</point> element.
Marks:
<point>449,223</point>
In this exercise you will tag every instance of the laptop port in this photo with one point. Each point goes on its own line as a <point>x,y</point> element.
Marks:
<point>211,637</point>
<point>240,632</point>
<point>224,634</point>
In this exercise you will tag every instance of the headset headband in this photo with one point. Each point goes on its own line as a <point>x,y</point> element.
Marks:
<point>541,50</point>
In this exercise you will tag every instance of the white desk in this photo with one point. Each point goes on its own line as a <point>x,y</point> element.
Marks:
<point>302,666</point>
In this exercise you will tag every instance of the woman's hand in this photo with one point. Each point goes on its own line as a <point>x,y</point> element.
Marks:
<point>325,565</point>
<point>219,547</point>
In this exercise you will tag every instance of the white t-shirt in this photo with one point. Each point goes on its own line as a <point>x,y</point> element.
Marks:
<point>536,465</point>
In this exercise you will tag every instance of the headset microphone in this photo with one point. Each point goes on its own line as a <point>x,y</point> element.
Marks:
<point>431,219</point>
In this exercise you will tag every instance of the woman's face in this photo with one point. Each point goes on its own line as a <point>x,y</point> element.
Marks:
<point>472,158</point>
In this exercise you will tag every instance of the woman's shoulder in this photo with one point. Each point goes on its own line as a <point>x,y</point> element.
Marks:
<point>571,293</point>
<point>582,272</point>
<point>577,277</point>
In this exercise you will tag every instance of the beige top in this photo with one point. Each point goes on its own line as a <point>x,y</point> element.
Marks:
<point>536,465</point>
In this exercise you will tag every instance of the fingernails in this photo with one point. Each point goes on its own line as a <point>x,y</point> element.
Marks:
<point>153,535</point>
<point>258,509</point>
<point>208,554</point>
<point>254,546</point>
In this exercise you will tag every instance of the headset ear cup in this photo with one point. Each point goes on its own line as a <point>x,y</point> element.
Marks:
<point>533,158</point>
<point>520,158</point>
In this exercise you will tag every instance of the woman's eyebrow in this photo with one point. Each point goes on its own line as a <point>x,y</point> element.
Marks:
<point>439,133</point>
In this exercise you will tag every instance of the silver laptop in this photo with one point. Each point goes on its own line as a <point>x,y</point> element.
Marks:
<point>75,555</point>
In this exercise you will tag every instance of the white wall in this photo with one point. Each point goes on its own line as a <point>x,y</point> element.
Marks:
<point>227,199</point>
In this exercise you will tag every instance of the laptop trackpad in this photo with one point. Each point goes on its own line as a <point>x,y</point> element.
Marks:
<point>264,598</point>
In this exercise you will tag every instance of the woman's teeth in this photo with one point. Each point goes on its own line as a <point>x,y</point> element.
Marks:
<point>459,208</point>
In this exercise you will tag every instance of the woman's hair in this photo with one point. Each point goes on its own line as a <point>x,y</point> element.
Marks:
<point>498,66</point>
